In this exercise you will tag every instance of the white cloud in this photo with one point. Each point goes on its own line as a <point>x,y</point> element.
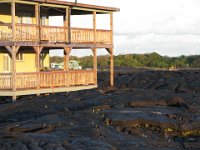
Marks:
<point>171,27</point>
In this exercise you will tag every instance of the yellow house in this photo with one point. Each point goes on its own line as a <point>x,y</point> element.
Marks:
<point>26,39</point>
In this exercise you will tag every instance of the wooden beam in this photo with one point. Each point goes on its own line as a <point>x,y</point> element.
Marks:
<point>9,48</point>
<point>69,25</point>
<point>66,23</point>
<point>24,2</point>
<point>17,48</point>
<point>13,20</point>
<point>37,20</point>
<point>5,1</point>
<point>88,9</point>
<point>108,50</point>
<point>67,50</point>
<point>38,49</point>
<point>53,5</point>
<point>47,90</point>
<point>35,49</point>
<point>94,25</point>
<point>95,64</point>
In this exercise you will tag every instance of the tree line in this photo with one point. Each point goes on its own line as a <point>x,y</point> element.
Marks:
<point>138,60</point>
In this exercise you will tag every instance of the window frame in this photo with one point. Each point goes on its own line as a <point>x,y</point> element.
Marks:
<point>20,55</point>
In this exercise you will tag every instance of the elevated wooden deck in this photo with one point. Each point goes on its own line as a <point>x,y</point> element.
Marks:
<point>44,82</point>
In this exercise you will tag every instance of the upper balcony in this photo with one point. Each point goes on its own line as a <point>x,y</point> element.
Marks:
<point>53,34</point>
<point>24,21</point>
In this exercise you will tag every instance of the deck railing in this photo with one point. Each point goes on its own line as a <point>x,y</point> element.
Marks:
<point>104,36</point>
<point>26,32</point>
<point>5,81</point>
<point>26,80</point>
<point>53,34</point>
<point>34,33</point>
<point>5,32</point>
<point>51,79</point>
<point>80,35</point>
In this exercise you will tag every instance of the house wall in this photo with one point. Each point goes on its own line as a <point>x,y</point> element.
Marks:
<point>28,64</point>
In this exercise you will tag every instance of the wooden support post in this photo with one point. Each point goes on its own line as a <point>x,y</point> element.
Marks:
<point>69,25</point>
<point>94,25</point>
<point>37,20</point>
<point>111,28</point>
<point>38,50</point>
<point>67,51</point>
<point>13,19</point>
<point>14,73</point>
<point>111,68</point>
<point>95,64</point>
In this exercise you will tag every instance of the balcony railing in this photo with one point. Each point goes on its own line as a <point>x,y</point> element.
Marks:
<point>5,32</point>
<point>80,35</point>
<point>34,33</point>
<point>26,32</point>
<point>52,79</point>
<point>53,34</point>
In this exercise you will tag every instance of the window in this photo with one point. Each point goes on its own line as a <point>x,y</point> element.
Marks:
<point>20,56</point>
<point>6,63</point>
<point>25,17</point>
<point>44,19</point>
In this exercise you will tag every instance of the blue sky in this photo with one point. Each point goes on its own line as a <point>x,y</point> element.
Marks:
<point>169,27</point>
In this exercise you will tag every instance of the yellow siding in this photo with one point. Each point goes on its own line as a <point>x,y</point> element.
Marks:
<point>46,61</point>
<point>27,64</point>
<point>5,18</point>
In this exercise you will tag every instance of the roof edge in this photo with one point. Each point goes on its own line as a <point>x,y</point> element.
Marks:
<point>81,5</point>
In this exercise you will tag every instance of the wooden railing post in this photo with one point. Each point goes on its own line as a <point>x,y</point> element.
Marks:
<point>94,25</point>
<point>37,20</point>
<point>66,23</point>
<point>13,19</point>
<point>69,25</point>
<point>111,28</point>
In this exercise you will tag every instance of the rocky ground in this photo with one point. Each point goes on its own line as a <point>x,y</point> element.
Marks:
<point>145,110</point>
